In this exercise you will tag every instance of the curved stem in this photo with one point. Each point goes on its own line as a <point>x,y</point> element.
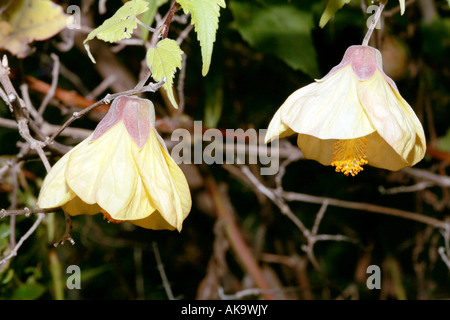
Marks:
<point>169,18</point>
<point>374,23</point>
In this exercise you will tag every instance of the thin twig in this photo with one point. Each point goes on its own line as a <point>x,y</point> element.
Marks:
<point>14,171</point>
<point>34,144</point>
<point>444,256</point>
<point>102,6</point>
<point>146,26</point>
<point>26,97</point>
<point>152,87</point>
<point>169,18</point>
<point>278,198</point>
<point>272,196</point>
<point>180,85</point>
<point>292,157</point>
<point>145,77</point>
<point>162,273</point>
<point>240,294</point>
<point>403,189</point>
<point>319,217</point>
<point>19,109</point>
<point>30,231</point>
<point>51,93</point>
<point>26,212</point>
<point>66,236</point>
<point>444,252</point>
<point>183,34</point>
<point>98,90</point>
<point>293,196</point>
<point>440,180</point>
<point>140,288</point>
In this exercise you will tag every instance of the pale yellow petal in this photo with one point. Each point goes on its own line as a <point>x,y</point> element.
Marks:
<point>154,222</point>
<point>103,171</point>
<point>180,184</point>
<point>328,110</point>
<point>277,129</point>
<point>393,118</point>
<point>76,207</point>
<point>164,181</point>
<point>316,149</point>
<point>379,153</point>
<point>55,191</point>
<point>140,205</point>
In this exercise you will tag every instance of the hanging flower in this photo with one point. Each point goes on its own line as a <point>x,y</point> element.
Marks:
<point>123,170</point>
<point>353,116</point>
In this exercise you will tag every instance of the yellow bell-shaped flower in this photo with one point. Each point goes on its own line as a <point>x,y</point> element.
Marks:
<point>123,170</point>
<point>352,117</point>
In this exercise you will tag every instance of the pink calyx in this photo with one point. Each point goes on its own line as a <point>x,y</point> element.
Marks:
<point>135,114</point>
<point>365,61</point>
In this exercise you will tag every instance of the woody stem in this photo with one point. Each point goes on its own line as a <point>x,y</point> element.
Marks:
<point>374,23</point>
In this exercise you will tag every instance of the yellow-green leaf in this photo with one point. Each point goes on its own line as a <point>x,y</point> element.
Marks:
<point>24,21</point>
<point>330,10</point>
<point>163,61</point>
<point>205,17</point>
<point>120,26</point>
<point>402,6</point>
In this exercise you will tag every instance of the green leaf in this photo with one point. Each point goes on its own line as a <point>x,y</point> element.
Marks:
<point>28,291</point>
<point>3,243</point>
<point>120,26</point>
<point>89,274</point>
<point>163,61</point>
<point>330,10</point>
<point>205,17</point>
<point>279,29</point>
<point>4,234</point>
<point>24,21</point>
<point>6,276</point>
<point>4,230</point>
<point>149,15</point>
<point>444,142</point>
<point>213,100</point>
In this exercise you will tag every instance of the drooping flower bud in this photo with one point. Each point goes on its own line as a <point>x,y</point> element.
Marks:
<point>353,116</point>
<point>123,170</point>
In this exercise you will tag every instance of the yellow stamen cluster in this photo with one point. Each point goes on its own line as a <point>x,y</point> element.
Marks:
<point>107,217</point>
<point>350,156</point>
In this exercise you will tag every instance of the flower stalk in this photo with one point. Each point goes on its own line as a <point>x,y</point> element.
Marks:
<point>375,20</point>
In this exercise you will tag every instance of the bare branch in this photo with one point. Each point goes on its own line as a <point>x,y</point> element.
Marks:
<point>27,212</point>
<point>293,196</point>
<point>40,217</point>
<point>160,267</point>
<point>66,236</point>
<point>152,87</point>
<point>51,93</point>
